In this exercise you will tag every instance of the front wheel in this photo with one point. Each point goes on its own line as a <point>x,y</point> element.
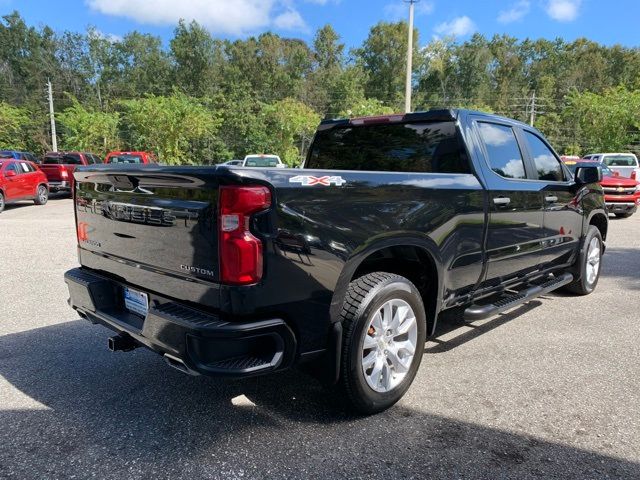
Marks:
<point>384,325</point>
<point>590,261</point>
<point>42,195</point>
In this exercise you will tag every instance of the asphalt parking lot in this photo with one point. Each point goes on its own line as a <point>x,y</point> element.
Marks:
<point>550,390</point>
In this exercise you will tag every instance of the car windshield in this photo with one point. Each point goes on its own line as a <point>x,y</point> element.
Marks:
<point>620,161</point>
<point>125,158</point>
<point>260,161</point>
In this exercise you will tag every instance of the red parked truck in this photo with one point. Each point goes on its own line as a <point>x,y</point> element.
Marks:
<point>59,168</point>
<point>621,194</point>
<point>130,157</point>
<point>21,180</point>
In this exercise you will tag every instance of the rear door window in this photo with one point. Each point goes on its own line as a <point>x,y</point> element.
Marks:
<point>401,147</point>
<point>547,165</point>
<point>503,151</point>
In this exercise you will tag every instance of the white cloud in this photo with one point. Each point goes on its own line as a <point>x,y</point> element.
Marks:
<point>495,136</point>
<point>290,19</point>
<point>563,10</point>
<point>518,11</point>
<point>458,27</point>
<point>400,10</point>
<point>237,17</point>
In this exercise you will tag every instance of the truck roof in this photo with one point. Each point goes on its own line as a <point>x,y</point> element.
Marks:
<point>434,115</point>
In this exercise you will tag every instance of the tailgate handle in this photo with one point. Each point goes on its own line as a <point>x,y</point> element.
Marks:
<point>502,201</point>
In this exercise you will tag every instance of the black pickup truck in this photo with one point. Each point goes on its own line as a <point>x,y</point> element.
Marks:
<point>347,262</point>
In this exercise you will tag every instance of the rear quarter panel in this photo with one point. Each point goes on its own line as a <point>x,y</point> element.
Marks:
<point>317,235</point>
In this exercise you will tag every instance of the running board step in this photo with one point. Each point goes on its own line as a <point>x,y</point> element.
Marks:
<point>480,312</point>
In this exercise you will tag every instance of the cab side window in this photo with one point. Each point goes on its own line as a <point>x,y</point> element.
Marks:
<point>502,147</point>
<point>547,165</point>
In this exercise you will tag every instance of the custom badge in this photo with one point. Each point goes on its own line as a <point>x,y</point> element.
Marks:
<point>326,181</point>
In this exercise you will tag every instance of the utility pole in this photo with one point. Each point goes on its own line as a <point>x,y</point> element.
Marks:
<point>54,139</point>
<point>533,108</point>
<point>407,89</point>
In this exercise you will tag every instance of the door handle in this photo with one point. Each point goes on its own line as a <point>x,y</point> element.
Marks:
<point>551,199</point>
<point>502,200</point>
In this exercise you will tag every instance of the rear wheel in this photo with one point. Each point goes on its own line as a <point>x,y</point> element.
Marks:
<point>1,201</point>
<point>590,261</point>
<point>42,195</point>
<point>384,333</point>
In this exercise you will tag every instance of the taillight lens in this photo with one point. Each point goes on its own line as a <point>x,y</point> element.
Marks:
<point>240,251</point>
<point>64,174</point>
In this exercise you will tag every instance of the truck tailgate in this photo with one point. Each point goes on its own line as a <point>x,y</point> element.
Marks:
<point>156,227</point>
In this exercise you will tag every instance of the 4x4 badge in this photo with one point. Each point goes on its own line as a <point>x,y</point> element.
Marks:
<point>326,181</point>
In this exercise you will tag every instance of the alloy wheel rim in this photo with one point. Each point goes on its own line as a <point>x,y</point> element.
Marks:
<point>593,260</point>
<point>389,345</point>
<point>42,194</point>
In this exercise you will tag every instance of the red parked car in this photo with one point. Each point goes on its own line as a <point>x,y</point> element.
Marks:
<point>621,194</point>
<point>59,168</point>
<point>22,180</point>
<point>130,157</point>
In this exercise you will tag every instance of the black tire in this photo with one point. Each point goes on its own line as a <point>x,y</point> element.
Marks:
<point>365,297</point>
<point>1,202</point>
<point>583,285</point>
<point>623,215</point>
<point>42,195</point>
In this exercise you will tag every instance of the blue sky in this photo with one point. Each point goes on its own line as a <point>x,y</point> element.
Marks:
<point>608,22</point>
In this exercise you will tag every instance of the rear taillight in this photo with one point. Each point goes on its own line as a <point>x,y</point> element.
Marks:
<point>64,174</point>
<point>240,251</point>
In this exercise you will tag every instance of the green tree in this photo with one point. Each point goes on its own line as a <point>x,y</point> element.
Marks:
<point>383,58</point>
<point>89,129</point>
<point>291,125</point>
<point>15,124</point>
<point>176,127</point>
<point>194,52</point>
<point>365,107</point>
<point>606,122</point>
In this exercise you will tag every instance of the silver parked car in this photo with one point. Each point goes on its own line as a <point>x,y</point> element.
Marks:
<point>625,164</point>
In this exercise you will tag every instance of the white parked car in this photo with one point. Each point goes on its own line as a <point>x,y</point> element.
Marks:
<point>626,164</point>
<point>261,160</point>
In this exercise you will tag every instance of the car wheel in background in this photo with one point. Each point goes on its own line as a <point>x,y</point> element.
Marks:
<point>623,215</point>
<point>42,195</point>
<point>384,326</point>
<point>590,263</point>
<point>1,202</point>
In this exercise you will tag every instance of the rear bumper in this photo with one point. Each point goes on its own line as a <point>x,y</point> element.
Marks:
<point>193,341</point>
<point>59,186</point>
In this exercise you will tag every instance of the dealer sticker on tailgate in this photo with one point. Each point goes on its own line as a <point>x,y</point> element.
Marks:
<point>136,302</point>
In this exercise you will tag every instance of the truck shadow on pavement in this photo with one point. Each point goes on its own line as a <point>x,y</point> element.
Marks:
<point>92,412</point>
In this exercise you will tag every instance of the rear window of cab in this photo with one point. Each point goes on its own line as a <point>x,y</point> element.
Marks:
<point>427,147</point>
<point>124,159</point>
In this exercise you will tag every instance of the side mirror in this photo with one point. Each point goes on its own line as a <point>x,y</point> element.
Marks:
<point>10,174</point>
<point>585,175</point>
